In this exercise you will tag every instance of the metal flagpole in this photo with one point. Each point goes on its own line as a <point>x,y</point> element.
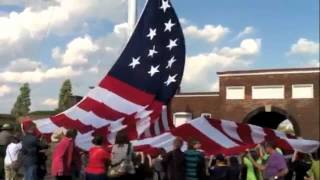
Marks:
<point>132,15</point>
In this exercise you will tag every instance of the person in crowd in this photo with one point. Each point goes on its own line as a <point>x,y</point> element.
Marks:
<point>235,168</point>
<point>175,162</point>
<point>138,162</point>
<point>11,161</point>
<point>55,138</point>
<point>300,164</point>
<point>31,147</point>
<point>275,167</point>
<point>122,152</point>
<point>5,139</point>
<point>314,172</point>
<point>98,156</point>
<point>63,156</point>
<point>221,170</point>
<point>158,165</point>
<point>252,172</point>
<point>194,162</point>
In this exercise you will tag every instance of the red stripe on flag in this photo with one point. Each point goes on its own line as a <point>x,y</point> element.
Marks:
<point>126,91</point>
<point>217,124</point>
<point>244,132</point>
<point>62,120</point>
<point>100,109</point>
<point>271,136</point>
<point>187,132</point>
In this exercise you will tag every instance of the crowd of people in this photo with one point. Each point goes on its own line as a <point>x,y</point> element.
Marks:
<point>26,156</point>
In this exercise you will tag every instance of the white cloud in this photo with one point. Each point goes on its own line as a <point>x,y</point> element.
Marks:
<point>23,64</point>
<point>94,69</point>
<point>50,102</point>
<point>77,51</point>
<point>22,29</point>
<point>200,69</point>
<point>38,75</point>
<point>209,33</point>
<point>304,46</point>
<point>4,89</point>
<point>246,31</point>
<point>247,47</point>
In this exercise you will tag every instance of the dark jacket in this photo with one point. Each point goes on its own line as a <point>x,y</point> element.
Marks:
<point>174,163</point>
<point>31,147</point>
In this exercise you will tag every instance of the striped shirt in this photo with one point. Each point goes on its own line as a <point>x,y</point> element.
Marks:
<point>193,160</point>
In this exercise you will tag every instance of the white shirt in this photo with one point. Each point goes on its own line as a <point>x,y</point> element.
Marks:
<point>12,153</point>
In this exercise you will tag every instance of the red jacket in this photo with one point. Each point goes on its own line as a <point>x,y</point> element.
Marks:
<point>62,157</point>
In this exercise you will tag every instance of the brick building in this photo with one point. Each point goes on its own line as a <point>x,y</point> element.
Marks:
<point>261,97</point>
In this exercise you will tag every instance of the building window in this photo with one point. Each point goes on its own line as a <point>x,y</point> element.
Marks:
<point>268,92</point>
<point>206,115</point>
<point>300,91</point>
<point>180,118</point>
<point>235,92</point>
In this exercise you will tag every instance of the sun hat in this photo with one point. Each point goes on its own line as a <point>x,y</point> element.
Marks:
<point>56,135</point>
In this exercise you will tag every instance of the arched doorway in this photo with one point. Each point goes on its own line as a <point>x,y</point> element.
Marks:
<point>274,118</point>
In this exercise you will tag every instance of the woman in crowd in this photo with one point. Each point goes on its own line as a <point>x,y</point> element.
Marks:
<point>121,158</point>
<point>55,138</point>
<point>98,156</point>
<point>64,157</point>
<point>158,166</point>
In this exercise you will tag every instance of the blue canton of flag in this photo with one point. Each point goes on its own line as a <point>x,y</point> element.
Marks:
<point>153,60</point>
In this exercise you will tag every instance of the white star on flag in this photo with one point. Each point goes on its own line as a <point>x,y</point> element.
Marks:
<point>165,5</point>
<point>152,33</point>
<point>154,70</point>
<point>171,79</point>
<point>172,44</point>
<point>135,61</point>
<point>170,62</point>
<point>168,26</point>
<point>152,51</point>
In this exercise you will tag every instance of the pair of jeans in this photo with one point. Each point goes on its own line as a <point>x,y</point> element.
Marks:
<point>31,173</point>
<point>96,176</point>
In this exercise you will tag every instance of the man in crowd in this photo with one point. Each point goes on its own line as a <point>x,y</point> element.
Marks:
<point>174,161</point>
<point>5,138</point>
<point>31,147</point>
<point>276,166</point>
<point>195,168</point>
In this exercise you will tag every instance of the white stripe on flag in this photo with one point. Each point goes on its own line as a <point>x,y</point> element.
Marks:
<point>257,134</point>
<point>157,127</point>
<point>230,128</point>
<point>164,140</point>
<point>83,141</point>
<point>87,118</point>
<point>202,125</point>
<point>114,101</point>
<point>45,125</point>
<point>302,145</point>
<point>164,118</point>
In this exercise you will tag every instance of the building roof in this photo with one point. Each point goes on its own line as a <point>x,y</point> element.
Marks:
<point>270,71</point>
<point>197,94</point>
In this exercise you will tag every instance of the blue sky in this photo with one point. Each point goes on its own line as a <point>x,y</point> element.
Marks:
<point>46,42</point>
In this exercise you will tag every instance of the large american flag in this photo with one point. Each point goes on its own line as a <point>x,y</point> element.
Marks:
<point>134,94</point>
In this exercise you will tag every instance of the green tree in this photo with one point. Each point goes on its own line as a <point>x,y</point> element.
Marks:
<point>64,96</point>
<point>22,105</point>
